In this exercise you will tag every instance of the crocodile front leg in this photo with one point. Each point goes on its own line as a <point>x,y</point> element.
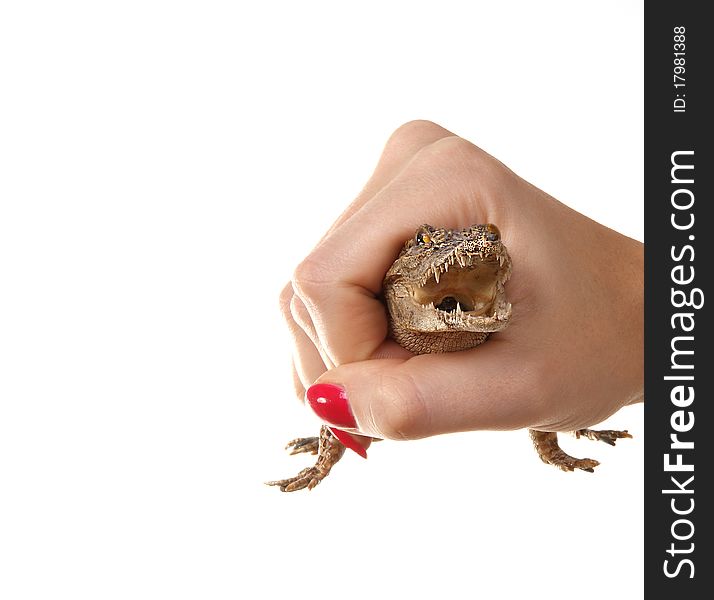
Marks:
<point>329,451</point>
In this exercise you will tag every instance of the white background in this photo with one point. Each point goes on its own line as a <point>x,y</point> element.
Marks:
<point>163,167</point>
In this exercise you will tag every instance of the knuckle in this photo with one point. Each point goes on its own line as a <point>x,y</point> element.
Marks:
<point>398,411</point>
<point>455,155</point>
<point>298,311</point>
<point>455,149</point>
<point>306,275</point>
<point>285,299</point>
<point>414,130</point>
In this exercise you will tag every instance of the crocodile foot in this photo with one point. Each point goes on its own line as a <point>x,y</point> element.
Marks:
<point>310,445</point>
<point>609,436</point>
<point>546,445</point>
<point>329,451</point>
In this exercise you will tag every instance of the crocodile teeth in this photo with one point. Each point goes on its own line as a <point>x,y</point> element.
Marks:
<point>436,275</point>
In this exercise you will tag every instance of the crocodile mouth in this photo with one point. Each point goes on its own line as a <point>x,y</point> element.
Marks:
<point>464,288</point>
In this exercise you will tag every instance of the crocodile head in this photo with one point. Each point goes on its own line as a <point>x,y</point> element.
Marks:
<point>450,280</point>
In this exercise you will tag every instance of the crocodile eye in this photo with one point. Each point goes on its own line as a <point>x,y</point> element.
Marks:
<point>423,238</point>
<point>492,233</point>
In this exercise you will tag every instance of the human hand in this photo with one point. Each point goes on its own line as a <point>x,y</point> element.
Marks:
<point>572,354</point>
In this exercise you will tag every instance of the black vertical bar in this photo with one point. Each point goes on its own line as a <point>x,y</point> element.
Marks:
<point>678,536</point>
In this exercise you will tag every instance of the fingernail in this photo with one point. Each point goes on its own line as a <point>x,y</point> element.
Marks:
<point>330,403</point>
<point>349,441</point>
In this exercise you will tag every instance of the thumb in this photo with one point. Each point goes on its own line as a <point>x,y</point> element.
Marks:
<point>396,398</point>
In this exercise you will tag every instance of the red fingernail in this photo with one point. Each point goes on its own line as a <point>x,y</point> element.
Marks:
<point>330,403</point>
<point>349,441</point>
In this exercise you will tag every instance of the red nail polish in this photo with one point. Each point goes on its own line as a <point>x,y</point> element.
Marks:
<point>349,441</point>
<point>330,403</point>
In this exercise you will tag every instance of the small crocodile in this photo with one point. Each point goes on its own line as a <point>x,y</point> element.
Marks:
<point>445,292</point>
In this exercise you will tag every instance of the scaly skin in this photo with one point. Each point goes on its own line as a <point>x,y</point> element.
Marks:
<point>444,293</point>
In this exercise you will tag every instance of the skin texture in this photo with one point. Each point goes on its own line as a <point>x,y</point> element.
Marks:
<point>572,353</point>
